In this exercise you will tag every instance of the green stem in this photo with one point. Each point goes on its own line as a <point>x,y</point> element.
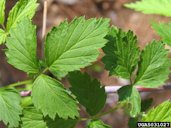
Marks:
<point>102,114</point>
<point>107,112</point>
<point>84,119</point>
<point>45,70</point>
<point>25,81</point>
<point>3,26</point>
<point>19,83</point>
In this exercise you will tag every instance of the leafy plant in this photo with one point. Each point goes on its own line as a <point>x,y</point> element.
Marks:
<point>160,113</point>
<point>68,48</point>
<point>161,7</point>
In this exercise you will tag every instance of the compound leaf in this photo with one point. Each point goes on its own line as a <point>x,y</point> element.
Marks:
<point>2,11</point>
<point>51,98</point>
<point>164,30</point>
<point>130,97</point>
<point>88,91</point>
<point>154,66</point>
<point>72,46</point>
<point>10,109</point>
<point>22,9</point>
<point>21,44</point>
<point>162,113</point>
<point>97,124</point>
<point>121,53</point>
<point>32,119</point>
<point>161,7</point>
<point>3,36</point>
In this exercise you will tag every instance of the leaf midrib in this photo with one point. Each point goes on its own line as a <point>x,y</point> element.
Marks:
<point>78,41</point>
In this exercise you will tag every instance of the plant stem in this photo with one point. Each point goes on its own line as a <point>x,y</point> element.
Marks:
<point>131,81</point>
<point>115,88</point>
<point>45,70</point>
<point>44,19</point>
<point>20,83</point>
<point>25,81</point>
<point>83,119</point>
<point>102,114</point>
<point>3,26</point>
<point>44,25</point>
<point>107,112</point>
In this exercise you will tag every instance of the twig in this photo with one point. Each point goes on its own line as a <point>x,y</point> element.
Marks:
<point>44,24</point>
<point>114,89</point>
<point>108,89</point>
<point>44,19</point>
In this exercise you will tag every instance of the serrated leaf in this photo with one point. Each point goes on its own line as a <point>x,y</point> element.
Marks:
<point>145,104</point>
<point>32,119</point>
<point>2,11</point>
<point>130,97</point>
<point>10,109</point>
<point>164,30</point>
<point>72,46</point>
<point>161,7</point>
<point>51,98</point>
<point>3,36</point>
<point>22,9</point>
<point>97,124</point>
<point>61,123</point>
<point>21,44</point>
<point>121,53</point>
<point>88,91</point>
<point>154,66</point>
<point>161,113</point>
<point>110,59</point>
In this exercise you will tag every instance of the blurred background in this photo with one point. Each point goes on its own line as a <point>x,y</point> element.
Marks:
<point>124,18</point>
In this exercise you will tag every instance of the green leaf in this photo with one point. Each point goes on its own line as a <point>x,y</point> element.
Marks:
<point>2,11</point>
<point>154,66</point>
<point>161,7</point>
<point>3,36</point>
<point>32,119</point>
<point>21,44</point>
<point>97,124</point>
<point>26,101</point>
<point>61,123</point>
<point>130,97</point>
<point>162,113</point>
<point>121,53</point>
<point>22,9</point>
<point>51,98</point>
<point>132,123</point>
<point>145,104</point>
<point>164,30</point>
<point>10,109</point>
<point>88,91</point>
<point>72,46</point>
